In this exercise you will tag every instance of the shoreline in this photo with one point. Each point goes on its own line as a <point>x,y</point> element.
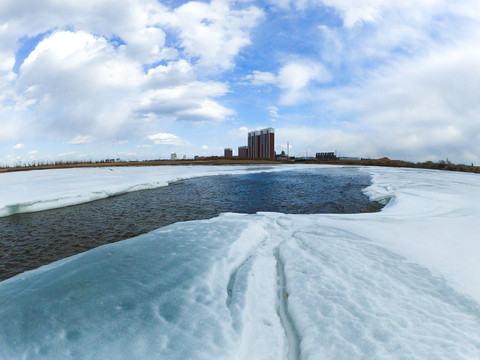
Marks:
<point>222,161</point>
<point>71,165</point>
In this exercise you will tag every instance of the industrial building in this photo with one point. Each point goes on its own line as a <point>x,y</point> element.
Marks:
<point>326,156</point>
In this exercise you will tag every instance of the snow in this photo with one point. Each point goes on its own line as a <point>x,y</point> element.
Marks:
<point>399,284</point>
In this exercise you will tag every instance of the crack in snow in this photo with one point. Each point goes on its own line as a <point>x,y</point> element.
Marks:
<point>286,320</point>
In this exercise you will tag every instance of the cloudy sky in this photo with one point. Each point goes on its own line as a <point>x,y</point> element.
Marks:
<point>139,79</point>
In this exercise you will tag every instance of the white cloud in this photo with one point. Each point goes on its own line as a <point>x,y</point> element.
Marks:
<point>79,140</point>
<point>175,73</point>
<point>13,125</point>
<point>294,78</point>
<point>33,152</point>
<point>192,102</point>
<point>80,83</point>
<point>412,83</point>
<point>103,17</point>
<point>213,32</point>
<point>67,154</point>
<point>206,110</point>
<point>204,147</point>
<point>166,139</point>
<point>297,75</point>
<point>18,146</point>
<point>273,111</point>
<point>148,45</point>
<point>239,133</point>
<point>77,82</point>
<point>420,108</point>
<point>398,76</point>
<point>351,12</point>
<point>355,12</point>
<point>260,78</point>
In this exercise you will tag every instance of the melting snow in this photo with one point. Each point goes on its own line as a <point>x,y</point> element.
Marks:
<point>403,283</point>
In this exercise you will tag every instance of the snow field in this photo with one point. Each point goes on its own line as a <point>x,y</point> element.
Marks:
<point>354,300</point>
<point>399,284</point>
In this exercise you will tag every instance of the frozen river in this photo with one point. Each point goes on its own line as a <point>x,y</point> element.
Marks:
<point>402,283</point>
<point>29,240</point>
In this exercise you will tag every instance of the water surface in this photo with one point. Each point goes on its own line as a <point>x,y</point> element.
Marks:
<point>28,241</point>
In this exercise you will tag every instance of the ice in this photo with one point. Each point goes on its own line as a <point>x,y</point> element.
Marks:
<point>403,283</point>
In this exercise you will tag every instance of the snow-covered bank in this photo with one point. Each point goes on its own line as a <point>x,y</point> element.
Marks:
<point>38,190</point>
<point>433,220</point>
<point>399,284</point>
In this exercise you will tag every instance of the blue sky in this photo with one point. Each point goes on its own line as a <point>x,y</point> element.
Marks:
<point>92,80</point>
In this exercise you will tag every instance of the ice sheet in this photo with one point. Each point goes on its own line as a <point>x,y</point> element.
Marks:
<point>399,284</point>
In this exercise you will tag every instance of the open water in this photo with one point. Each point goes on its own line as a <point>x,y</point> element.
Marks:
<point>28,241</point>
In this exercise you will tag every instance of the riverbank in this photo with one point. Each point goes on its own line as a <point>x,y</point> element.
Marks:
<point>441,165</point>
<point>75,164</point>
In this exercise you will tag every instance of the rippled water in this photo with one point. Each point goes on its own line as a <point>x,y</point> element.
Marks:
<point>28,241</point>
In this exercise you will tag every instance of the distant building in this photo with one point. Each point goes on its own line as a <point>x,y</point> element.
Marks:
<point>281,156</point>
<point>326,156</point>
<point>228,153</point>
<point>243,152</point>
<point>173,156</point>
<point>261,144</point>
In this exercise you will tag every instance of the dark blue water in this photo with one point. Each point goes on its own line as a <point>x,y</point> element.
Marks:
<point>28,241</point>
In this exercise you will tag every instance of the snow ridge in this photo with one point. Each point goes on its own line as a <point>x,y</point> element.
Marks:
<point>282,310</point>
